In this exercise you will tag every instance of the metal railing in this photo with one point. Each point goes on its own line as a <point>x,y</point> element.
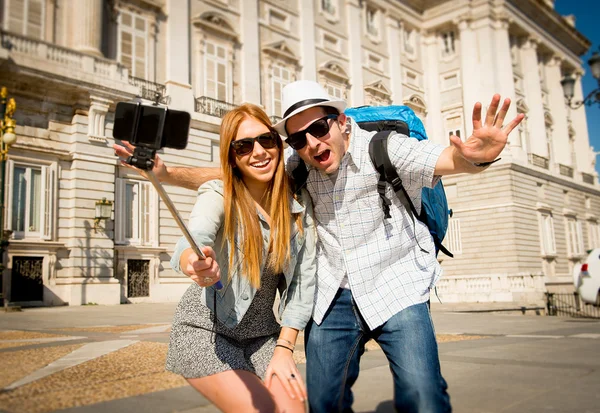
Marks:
<point>570,305</point>
<point>566,170</point>
<point>148,90</point>
<point>213,107</point>
<point>538,160</point>
<point>588,178</point>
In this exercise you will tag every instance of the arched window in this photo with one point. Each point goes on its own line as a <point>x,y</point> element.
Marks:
<point>280,64</point>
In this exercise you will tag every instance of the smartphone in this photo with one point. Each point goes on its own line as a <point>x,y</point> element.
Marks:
<point>151,126</point>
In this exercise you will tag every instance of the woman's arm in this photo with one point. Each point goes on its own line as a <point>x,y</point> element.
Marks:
<point>299,302</point>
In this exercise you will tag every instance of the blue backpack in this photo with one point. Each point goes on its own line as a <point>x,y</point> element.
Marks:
<point>401,119</point>
<point>386,120</point>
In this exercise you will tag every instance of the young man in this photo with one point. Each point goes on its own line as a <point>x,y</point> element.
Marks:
<point>373,274</point>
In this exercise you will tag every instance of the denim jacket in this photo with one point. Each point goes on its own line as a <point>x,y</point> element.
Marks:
<point>296,287</point>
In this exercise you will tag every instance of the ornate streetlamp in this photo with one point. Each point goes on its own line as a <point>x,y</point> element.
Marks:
<point>7,138</point>
<point>568,84</point>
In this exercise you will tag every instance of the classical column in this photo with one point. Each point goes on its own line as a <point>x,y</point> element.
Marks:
<point>353,9</point>
<point>560,135</point>
<point>470,72</point>
<point>307,39</point>
<point>431,81</point>
<point>579,124</point>
<point>86,20</point>
<point>395,51</point>
<point>533,97</point>
<point>250,52</point>
<point>177,56</point>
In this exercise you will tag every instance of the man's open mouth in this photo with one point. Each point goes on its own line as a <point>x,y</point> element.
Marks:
<point>323,157</point>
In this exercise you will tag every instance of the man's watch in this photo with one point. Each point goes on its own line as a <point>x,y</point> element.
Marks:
<point>484,164</point>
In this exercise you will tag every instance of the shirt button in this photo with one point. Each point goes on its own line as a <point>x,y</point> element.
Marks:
<point>245,296</point>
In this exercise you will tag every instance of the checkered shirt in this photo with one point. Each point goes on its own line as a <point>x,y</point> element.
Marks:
<point>386,269</point>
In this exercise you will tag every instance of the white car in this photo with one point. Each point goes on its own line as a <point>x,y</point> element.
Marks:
<point>587,278</point>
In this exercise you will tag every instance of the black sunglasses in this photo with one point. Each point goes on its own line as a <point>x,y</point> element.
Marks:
<point>318,129</point>
<point>244,146</point>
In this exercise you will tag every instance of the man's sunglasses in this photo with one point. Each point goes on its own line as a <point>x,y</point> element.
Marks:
<point>244,146</point>
<point>318,129</point>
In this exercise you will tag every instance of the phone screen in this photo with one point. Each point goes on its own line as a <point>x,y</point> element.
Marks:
<point>176,130</point>
<point>124,121</point>
<point>150,126</point>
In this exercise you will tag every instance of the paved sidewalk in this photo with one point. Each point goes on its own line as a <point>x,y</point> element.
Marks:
<point>526,363</point>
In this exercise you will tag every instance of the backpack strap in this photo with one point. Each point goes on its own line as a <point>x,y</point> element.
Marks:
<point>378,151</point>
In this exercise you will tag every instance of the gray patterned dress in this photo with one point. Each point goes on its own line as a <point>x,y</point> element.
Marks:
<point>201,347</point>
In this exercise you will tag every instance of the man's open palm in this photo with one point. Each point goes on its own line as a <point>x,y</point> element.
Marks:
<point>489,138</point>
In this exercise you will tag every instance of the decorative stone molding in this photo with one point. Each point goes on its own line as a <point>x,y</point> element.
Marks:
<point>97,119</point>
<point>217,24</point>
<point>282,51</point>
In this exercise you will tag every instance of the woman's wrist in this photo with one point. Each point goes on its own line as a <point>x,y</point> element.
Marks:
<point>281,342</point>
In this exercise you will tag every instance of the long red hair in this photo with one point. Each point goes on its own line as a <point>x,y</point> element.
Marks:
<point>241,217</point>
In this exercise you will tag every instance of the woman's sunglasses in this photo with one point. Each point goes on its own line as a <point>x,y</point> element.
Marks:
<point>318,129</point>
<point>244,146</point>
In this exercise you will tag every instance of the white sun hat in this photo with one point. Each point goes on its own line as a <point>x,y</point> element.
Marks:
<point>301,95</point>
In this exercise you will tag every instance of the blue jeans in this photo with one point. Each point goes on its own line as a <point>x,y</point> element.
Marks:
<point>334,348</point>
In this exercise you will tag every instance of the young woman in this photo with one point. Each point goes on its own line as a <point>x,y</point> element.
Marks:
<point>258,239</point>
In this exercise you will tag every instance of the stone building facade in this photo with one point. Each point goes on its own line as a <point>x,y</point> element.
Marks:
<point>517,230</point>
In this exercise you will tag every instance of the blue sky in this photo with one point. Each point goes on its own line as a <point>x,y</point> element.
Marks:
<point>587,21</point>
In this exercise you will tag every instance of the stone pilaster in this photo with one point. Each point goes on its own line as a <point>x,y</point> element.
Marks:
<point>250,52</point>
<point>308,41</point>
<point>87,26</point>
<point>178,55</point>
<point>354,11</point>
<point>395,51</point>
<point>533,96</point>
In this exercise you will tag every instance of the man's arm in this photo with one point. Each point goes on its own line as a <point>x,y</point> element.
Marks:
<point>484,145</point>
<point>190,178</point>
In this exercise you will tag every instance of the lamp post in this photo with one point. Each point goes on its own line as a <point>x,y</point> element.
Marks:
<point>568,84</point>
<point>7,138</point>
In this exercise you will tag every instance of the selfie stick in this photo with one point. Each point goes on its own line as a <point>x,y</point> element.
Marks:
<point>144,159</point>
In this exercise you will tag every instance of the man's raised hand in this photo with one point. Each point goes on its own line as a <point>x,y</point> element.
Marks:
<point>488,138</point>
<point>126,150</point>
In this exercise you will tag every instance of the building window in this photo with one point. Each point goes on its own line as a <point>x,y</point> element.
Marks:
<point>328,7</point>
<point>514,51</point>
<point>279,19</point>
<point>453,236</point>
<point>372,22</point>
<point>454,126</point>
<point>375,63</point>
<point>574,237</point>
<point>335,90</point>
<point>548,241</point>
<point>281,76</point>
<point>216,85</point>
<point>133,43</point>
<point>448,44</point>
<point>593,234</point>
<point>331,43</point>
<point>25,17</point>
<point>136,213</point>
<point>412,79</point>
<point>409,42</point>
<point>31,197</point>
<point>450,81</point>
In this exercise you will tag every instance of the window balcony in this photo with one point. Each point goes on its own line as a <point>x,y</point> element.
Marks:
<point>565,170</point>
<point>540,161</point>
<point>149,90</point>
<point>213,107</point>
<point>40,56</point>
<point>588,178</point>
